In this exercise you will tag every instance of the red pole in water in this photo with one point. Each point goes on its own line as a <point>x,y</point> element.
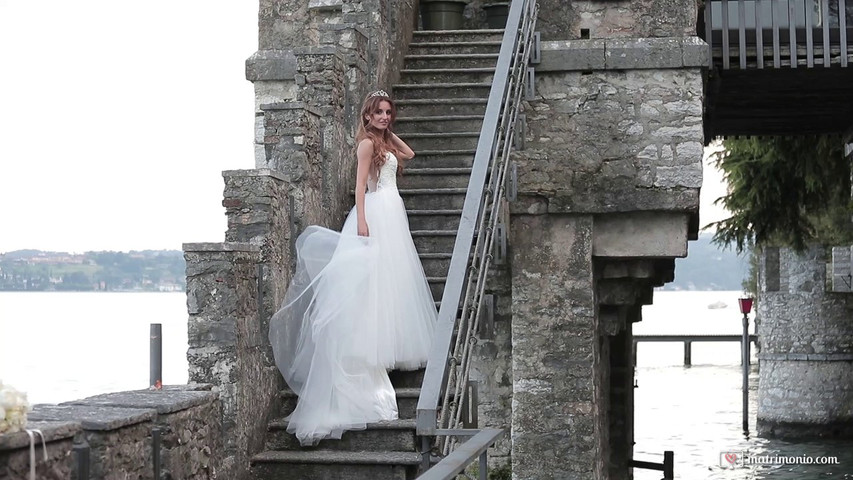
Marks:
<point>745,307</point>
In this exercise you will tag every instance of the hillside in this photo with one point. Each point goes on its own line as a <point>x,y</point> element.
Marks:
<point>147,270</point>
<point>707,267</point>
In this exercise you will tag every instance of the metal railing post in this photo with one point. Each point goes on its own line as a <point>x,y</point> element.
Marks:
<point>155,451</point>
<point>156,357</point>
<point>668,465</point>
<point>80,452</point>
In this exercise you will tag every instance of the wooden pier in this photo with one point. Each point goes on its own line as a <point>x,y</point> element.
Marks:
<point>687,340</point>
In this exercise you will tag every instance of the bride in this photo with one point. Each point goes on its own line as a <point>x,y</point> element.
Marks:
<point>359,303</point>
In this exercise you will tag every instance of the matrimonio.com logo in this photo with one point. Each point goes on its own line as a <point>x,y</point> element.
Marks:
<point>745,459</point>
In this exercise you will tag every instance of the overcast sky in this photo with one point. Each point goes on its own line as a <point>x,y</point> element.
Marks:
<point>117,119</point>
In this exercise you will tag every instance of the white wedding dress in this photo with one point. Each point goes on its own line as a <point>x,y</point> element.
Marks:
<point>356,307</point>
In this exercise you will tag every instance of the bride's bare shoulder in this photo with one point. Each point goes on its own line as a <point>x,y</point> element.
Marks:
<point>365,149</point>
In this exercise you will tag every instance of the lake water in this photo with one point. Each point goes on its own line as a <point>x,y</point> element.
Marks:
<point>60,346</point>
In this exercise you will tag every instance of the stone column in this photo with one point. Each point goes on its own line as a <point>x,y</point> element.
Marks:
<point>555,351</point>
<point>227,345</point>
<point>805,385</point>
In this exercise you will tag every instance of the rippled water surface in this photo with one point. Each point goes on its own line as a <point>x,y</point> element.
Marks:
<point>697,411</point>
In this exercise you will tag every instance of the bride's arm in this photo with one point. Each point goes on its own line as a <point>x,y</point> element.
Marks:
<point>365,156</point>
<point>405,151</point>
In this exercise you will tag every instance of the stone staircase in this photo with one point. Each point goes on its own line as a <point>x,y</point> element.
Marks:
<point>441,101</point>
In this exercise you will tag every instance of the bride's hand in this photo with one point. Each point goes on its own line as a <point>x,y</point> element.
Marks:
<point>363,231</point>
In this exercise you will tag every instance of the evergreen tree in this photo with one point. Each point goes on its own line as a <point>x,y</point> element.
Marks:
<point>785,191</point>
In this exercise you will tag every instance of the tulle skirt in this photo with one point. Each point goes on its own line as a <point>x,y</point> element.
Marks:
<point>356,307</point>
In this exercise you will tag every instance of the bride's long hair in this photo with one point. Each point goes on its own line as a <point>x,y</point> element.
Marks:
<point>382,143</point>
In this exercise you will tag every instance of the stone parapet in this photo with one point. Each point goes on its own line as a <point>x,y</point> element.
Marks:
<point>117,430</point>
<point>623,54</point>
<point>613,19</point>
<point>58,437</point>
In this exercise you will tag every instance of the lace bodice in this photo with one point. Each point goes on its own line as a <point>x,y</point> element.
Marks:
<point>387,175</point>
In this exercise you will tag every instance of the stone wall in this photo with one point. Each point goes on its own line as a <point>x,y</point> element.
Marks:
<point>806,333</point>
<point>228,346</point>
<point>116,428</point>
<point>563,20</point>
<point>611,139</point>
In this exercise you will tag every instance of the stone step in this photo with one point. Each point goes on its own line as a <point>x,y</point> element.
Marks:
<point>447,75</point>
<point>451,60</point>
<point>435,177</point>
<point>450,140</point>
<point>438,48</point>
<point>433,198</point>
<point>442,36</point>
<point>407,401</point>
<point>436,264</point>
<point>434,241</point>
<point>439,123</point>
<point>436,286</point>
<point>388,436</point>
<point>441,90</point>
<point>434,219</point>
<point>407,378</point>
<point>331,464</point>
<point>442,106</point>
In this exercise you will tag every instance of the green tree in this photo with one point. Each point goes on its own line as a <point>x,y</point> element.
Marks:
<point>786,191</point>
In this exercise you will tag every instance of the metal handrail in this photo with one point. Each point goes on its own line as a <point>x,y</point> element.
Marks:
<point>814,37</point>
<point>457,461</point>
<point>447,370</point>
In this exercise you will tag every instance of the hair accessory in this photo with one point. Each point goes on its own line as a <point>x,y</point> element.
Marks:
<point>379,93</point>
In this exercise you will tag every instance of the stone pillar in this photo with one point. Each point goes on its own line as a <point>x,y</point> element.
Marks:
<point>228,346</point>
<point>805,385</point>
<point>556,420</point>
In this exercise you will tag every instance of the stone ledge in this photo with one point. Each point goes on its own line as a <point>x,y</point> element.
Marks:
<point>271,65</point>
<point>221,247</point>
<point>317,50</point>
<point>326,4</point>
<point>52,431</point>
<point>254,172</point>
<point>170,399</point>
<point>623,54</point>
<point>291,106</point>
<point>807,357</point>
<point>607,201</point>
<point>93,417</point>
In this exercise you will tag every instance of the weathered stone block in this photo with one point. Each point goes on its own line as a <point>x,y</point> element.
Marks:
<point>641,234</point>
<point>271,65</point>
<point>641,53</point>
<point>563,55</point>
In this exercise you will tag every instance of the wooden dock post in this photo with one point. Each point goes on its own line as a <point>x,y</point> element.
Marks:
<point>688,346</point>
